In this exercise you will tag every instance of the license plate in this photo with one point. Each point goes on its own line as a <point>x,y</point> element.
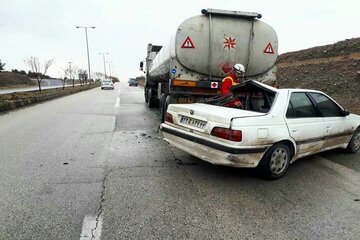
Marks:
<point>192,122</point>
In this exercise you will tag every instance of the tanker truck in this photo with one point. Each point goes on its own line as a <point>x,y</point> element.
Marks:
<point>191,66</point>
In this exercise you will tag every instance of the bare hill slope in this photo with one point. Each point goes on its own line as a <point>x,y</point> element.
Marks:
<point>333,69</point>
<point>10,79</point>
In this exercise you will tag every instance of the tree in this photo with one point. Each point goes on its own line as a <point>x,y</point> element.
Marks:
<point>64,76</point>
<point>98,75</point>
<point>2,65</point>
<point>114,79</point>
<point>31,74</point>
<point>72,73</point>
<point>40,70</point>
<point>82,76</point>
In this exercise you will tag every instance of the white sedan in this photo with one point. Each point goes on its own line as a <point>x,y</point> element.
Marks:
<point>107,84</point>
<point>273,128</point>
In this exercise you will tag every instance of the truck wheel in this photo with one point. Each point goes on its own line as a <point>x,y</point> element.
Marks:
<point>275,161</point>
<point>150,97</point>
<point>146,94</point>
<point>354,144</point>
<point>162,106</point>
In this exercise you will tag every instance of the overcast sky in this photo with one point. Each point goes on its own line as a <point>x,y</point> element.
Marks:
<point>46,28</point>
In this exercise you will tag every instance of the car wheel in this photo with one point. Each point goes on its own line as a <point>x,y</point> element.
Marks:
<point>354,144</point>
<point>276,161</point>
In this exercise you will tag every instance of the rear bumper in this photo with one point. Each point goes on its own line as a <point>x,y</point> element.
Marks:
<point>107,87</point>
<point>215,153</point>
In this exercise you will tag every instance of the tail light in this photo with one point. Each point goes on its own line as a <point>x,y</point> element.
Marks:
<point>169,118</point>
<point>228,134</point>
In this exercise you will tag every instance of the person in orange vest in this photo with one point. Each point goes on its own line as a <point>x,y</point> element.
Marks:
<point>233,78</point>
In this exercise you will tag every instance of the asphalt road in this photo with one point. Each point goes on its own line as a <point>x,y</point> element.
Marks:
<point>94,166</point>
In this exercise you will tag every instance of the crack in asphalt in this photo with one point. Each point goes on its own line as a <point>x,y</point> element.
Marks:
<point>101,205</point>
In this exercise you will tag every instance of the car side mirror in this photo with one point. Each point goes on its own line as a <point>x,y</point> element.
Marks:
<point>345,113</point>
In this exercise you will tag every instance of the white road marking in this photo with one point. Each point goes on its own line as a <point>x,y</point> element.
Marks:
<point>117,103</point>
<point>89,230</point>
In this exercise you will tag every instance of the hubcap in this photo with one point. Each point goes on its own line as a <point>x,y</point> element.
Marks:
<point>278,160</point>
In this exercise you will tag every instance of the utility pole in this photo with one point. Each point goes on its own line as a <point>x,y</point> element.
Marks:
<point>70,73</point>
<point>110,67</point>
<point>104,63</point>
<point>87,48</point>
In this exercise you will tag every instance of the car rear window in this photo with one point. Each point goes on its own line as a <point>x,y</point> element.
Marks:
<point>252,99</point>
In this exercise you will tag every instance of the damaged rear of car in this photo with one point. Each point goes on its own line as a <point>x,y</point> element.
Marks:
<point>223,135</point>
<point>261,126</point>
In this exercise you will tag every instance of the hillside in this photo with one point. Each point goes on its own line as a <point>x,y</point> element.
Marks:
<point>9,79</point>
<point>333,69</point>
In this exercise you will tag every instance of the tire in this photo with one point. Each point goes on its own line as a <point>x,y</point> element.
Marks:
<point>146,91</point>
<point>168,100</point>
<point>162,107</point>
<point>354,144</point>
<point>150,98</point>
<point>275,161</point>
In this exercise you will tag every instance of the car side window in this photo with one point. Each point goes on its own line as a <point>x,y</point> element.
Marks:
<point>290,111</point>
<point>326,106</point>
<point>300,106</point>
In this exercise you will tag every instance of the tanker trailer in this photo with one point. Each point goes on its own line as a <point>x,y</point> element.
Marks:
<point>191,66</point>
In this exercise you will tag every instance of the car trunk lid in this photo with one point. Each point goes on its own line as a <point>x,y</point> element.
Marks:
<point>203,117</point>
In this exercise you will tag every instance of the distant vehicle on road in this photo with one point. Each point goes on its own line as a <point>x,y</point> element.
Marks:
<point>107,84</point>
<point>133,82</point>
<point>272,128</point>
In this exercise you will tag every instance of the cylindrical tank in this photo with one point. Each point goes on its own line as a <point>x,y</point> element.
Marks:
<point>211,44</point>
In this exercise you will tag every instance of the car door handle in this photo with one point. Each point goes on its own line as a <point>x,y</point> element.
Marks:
<point>294,130</point>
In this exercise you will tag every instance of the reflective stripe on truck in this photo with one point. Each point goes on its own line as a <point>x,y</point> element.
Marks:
<point>196,84</point>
